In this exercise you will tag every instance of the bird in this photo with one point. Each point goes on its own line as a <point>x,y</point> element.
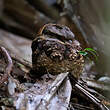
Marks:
<point>55,51</point>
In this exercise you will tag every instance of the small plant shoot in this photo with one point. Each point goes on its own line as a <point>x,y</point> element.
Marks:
<point>87,52</point>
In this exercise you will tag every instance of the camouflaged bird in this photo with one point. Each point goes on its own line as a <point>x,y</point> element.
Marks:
<point>55,50</point>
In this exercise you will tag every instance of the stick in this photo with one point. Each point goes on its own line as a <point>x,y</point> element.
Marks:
<point>91,97</point>
<point>21,60</point>
<point>9,67</point>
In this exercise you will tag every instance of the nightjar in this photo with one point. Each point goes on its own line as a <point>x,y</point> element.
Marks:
<point>55,50</point>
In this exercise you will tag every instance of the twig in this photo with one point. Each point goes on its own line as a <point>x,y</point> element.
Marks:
<point>8,69</point>
<point>91,97</point>
<point>97,85</point>
<point>81,107</point>
<point>21,60</point>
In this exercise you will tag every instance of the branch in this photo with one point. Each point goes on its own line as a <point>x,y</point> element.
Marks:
<point>9,67</point>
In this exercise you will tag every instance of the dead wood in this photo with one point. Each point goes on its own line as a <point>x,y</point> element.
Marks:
<point>8,69</point>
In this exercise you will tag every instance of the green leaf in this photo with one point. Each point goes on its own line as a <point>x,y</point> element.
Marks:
<point>83,53</point>
<point>93,52</point>
<point>90,49</point>
<point>94,55</point>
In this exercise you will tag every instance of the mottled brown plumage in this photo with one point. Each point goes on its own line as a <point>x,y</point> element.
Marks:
<point>55,50</point>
